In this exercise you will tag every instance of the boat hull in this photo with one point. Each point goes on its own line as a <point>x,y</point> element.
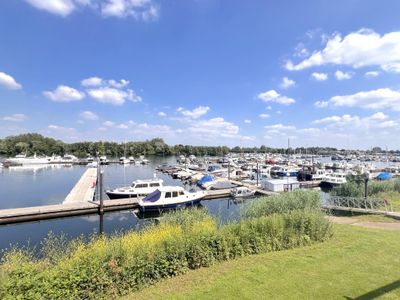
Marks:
<point>159,207</point>
<point>120,196</point>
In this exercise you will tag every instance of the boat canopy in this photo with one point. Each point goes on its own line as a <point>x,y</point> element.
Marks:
<point>384,176</point>
<point>204,179</point>
<point>152,197</point>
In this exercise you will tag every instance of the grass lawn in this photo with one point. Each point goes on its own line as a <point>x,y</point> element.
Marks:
<point>357,263</point>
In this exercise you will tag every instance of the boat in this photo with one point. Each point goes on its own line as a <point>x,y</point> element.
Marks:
<point>333,179</point>
<point>124,161</point>
<point>103,160</point>
<point>138,188</point>
<point>170,197</point>
<point>242,191</point>
<point>22,159</point>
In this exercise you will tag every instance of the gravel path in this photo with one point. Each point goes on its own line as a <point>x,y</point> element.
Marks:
<point>356,222</point>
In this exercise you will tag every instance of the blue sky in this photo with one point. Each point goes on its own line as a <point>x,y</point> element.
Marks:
<point>202,72</point>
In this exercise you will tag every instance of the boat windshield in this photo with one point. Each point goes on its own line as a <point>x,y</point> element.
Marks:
<point>152,197</point>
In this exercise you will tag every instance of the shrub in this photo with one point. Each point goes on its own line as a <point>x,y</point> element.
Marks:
<point>297,200</point>
<point>112,266</point>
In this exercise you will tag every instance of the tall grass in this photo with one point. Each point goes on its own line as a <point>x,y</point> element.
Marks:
<point>297,200</point>
<point>357,188</point>
<point>112,266</point>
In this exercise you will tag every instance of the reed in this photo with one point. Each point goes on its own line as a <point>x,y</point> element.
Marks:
<point>297,200</point>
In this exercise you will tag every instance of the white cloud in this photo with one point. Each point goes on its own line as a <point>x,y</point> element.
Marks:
<point>215,127</point>
<point>269,107</point>
<point>141,10</point>
<point>110,91</point>
<point>319,76</point>
<point>108,123</point>
<point>371,74</point>
<point>122,126</point>
<point>274,96</point>
<point>58,7</point>
<point>15,118</point>
<point>247,121</point>
<point>357,49</point>
<point>383,98</point>
<point>92,81</point>
<point>340,75</point>
<point>286,83</point>
<point>61,128</point>
<point>351,123</point>
<point>9,82</point>
<point>89,115</point>
<point>161,114</point>
<point>144,10</point>
<point>195,113</point>
<point>264,116</point>
<point>280,127</point>
<point>321,104</point>
<point>113,96</point>
<point>118,84</point>
<point>64,93</point>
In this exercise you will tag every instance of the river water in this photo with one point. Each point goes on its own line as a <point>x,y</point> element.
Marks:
<point>32,186</point>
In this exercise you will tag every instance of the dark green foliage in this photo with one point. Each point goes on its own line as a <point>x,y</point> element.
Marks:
<point>31,143</point>
<point>110,267</point>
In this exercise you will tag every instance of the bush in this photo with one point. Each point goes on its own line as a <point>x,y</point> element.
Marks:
<point>112,266</point>
<point>297,200</point>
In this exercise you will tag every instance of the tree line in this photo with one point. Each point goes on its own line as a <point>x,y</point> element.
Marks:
<point>31,143</point>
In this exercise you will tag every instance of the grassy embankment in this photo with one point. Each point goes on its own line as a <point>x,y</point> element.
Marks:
<point>186,240</point>
<point>356,263</point>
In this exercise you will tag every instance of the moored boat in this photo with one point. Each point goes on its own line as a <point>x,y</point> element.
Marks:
<point>170,197</point>
<point>241,192</point>
<point>138,188</point>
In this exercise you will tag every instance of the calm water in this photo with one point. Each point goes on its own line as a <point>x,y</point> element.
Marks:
<point>23,186</point>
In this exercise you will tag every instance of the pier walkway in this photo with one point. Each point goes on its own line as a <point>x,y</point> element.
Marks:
<point>253,187</point>
<point>84,189</point>
<point>37,213</point>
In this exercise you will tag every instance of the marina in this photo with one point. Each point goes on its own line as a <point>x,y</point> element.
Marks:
<point>77,186</point>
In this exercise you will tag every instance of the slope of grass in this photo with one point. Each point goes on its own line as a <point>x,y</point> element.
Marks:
<point>357,263</point>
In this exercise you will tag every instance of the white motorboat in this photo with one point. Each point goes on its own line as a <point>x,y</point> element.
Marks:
<point>22,159</point>
<point>124,161</point>
<point>103,160</point>
<point>170,197</point>
<point>138,188</point>
<point>333,179</point>
<point>242,191</point>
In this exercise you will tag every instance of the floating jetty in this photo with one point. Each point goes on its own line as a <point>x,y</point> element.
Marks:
<point>37,213</point>
<point>84,189</point>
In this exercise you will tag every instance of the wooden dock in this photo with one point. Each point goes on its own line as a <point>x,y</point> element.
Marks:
<point>84,189</point>
<point>258,190</point>
<point>37,213</point>
<point>80,202</point>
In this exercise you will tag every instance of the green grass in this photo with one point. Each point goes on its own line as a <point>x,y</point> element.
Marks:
<point>355,262</point>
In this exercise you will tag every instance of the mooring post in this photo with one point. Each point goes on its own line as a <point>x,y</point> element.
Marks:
<point>101,208</point>
<point>257,175</point>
